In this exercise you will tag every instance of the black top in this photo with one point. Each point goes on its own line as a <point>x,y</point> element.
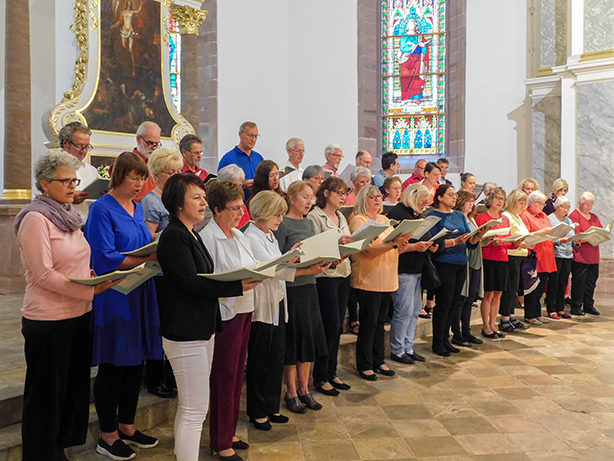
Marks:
<point>411,262</point>
<point>189,307</point>
<point>549,206</point>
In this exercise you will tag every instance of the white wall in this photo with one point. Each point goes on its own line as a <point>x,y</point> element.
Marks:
<point>498,119</point>
<point>291,69</point>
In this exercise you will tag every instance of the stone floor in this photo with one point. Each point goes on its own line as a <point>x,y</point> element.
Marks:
<point>545,394</point>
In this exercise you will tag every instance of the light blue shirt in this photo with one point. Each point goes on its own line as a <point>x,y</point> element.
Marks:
<point>379,178</point>
<point>562,250</point>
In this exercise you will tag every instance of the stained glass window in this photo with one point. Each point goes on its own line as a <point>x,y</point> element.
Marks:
<point>174,45</point>
<point>413,77</point>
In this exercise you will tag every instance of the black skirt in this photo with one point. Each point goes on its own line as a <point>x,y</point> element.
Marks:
<point>305,338</point>
<point>496,275</point>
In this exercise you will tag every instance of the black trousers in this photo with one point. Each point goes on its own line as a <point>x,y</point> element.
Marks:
<point>333,295</point>
<point>508,298</point>
<point>116,394</point>
<point>532,301</point>
<point>370,351</point>
<point>583,282</point>
<point>557,284</point>
<point>446,299</point>
<point>461,324</point>
<point>57,389</point>
<point>352,306</point>
<point>265,367</point>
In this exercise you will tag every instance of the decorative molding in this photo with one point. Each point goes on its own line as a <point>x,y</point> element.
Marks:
<point>544,72</point>
<point>543,87</point>
<point>190,19</point>
<point>587,71</point>
<point>17,194</point>
<point>594,55</point>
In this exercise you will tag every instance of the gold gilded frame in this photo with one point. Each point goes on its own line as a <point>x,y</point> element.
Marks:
<point>87,74</point>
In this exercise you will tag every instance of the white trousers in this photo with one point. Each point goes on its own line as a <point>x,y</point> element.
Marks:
<point>191,362</point>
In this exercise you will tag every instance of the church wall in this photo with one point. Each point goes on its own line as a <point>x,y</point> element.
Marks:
<point>498,113</point>
<point>291,69</point>
<point>2,90</point>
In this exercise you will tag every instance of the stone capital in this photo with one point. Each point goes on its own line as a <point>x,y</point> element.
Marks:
<point>190,19</point>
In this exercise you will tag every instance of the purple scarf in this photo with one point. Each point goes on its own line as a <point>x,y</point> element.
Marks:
<point>64,216</point>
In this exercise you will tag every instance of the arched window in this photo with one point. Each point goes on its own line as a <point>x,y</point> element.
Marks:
<point>413,67</point>
<point>174,45</point>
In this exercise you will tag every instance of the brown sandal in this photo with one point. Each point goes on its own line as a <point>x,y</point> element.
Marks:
<point>354,326</point>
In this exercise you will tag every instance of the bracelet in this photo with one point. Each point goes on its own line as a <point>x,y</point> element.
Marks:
<point>453,242</point>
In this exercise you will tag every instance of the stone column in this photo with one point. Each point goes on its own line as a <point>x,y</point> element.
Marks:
<point>17,141</point>
<point>190,19</point>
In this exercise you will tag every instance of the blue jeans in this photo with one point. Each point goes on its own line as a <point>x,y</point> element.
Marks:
<point>407,305</point>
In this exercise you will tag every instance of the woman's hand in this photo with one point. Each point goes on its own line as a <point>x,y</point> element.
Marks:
<point>433,248</point>
<point>318,268</point>
<point>345,239</point>
<point>297,245</point>
<point>422,246</point>
<point>402,239</point>
<point>152,257</point>
<point>249,284</point>
<point>106,285</point>
<point>524,246</point>
<point>544,231</point>
<point>565,240</point>
<point>480,234</point>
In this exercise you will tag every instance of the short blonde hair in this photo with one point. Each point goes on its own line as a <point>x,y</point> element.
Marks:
<point>265,204</point>
<point>532,180</point>
<point>162,159</point>
<point>360,206</point>
<point>390,179</point>
<point>514,198</point>
<point>295,188</point>
<point>559,184</point>
<point>410,196</point>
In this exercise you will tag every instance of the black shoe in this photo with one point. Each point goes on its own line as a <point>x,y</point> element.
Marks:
<point>310,402</point>
<point>332,392</point>
<point>461,342</point>
<point>492,335</point>
<point>591,311</point>
<point>440,350</point>
<point>402,358</point>
<point>60,455</point>
<point>265,426</point>
<point>138,439</point>
<point>233,457</point>
<point>450,347</point>
<point>278,419</point>
<point>507,326</point>
<point>162,391</point>
<point>415,357</point>
<point>517,323</point>
<point>372,377</point>
<point>240,445</point>
<point>118,451</point>
<point>295,405</point>
<point>578,313</point>
<point>500,334</point>
<point>472,339</point>
<point>340,386</point>
<point>384,372</point>
<point>568,301</point>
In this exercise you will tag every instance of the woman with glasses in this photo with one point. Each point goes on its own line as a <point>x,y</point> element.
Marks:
<point>125,327</point>
<point>162,164</point>
<point>450,259</point>
<point>56,323</point>
<point>537,221</point>
<point>230,250</point>
<point>314,175</point>
<point>333,285</point>
<point>266,178</point>
<point>374,277</point>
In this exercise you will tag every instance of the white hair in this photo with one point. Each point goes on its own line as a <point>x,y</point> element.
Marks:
<point>359,171</point>
<point>586,197</point>
<point>332,148</point>
<point>537,196</point>
<point>560,201</point>
<point>230,173</point>
<point>143,127</point>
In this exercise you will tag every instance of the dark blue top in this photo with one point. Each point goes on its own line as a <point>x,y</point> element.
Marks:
<point>455,220</point>
<point>248,163</point>
<point>124,327</point>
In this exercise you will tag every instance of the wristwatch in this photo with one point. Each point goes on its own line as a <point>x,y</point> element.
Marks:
<point>395,246</point>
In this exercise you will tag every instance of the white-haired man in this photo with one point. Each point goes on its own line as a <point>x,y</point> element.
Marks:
<point>147,140</point>
<point>296,152</point>
<point>334,155</point>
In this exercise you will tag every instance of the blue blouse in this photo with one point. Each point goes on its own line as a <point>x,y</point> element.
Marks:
<point>124,327</point>
<point>455,220</point>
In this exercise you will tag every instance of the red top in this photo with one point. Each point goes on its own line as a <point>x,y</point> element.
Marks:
<point>544,250</point>
<point>202,174</point>
<point>413,179</point>
<point>245,219</point>
<point>350,199</point>
<point>585,253</point>
<point>495,252</point>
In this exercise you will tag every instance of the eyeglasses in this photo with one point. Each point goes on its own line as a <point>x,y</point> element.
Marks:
<point>274,175</point>
<point>68,181</point>
<point>171,172</point>
<point>251,136</point>
<point>454,194</point>
<point>340,192</point>
<point>138,178</point>
<point>151,144</point>
<point>337,155</point>
<point>298,151</point>
<point>235,209</point>
<point>374,197</point>
<point>200,152</point>
<point>87,147</point>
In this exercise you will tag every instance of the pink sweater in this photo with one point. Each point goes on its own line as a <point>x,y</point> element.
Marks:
<point>49,256</point>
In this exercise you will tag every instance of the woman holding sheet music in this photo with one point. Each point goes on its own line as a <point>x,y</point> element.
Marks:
<point>451,262</point>
<point>585,265</point>
<point>125,327</point>
<point>374,277</point>
<point>230,250</point>
<point>333,285</point>
<point>189,307</point>
<point>305,337</point>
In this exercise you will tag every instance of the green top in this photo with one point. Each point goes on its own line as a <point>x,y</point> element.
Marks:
<point>290,232</point>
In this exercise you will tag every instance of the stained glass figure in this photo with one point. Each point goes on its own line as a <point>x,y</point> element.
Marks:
<point>413,77</point>
<point>174,45</point>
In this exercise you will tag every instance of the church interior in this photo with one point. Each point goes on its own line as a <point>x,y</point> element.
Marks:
<point>504,89</point>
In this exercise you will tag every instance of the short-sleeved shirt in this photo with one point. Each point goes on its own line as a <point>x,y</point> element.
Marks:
<point>544,250</point>
<point>585,253</point>
<point>379,178</point>
<point>202,174</point>
<point>154,210</point>
<point>248,163</point>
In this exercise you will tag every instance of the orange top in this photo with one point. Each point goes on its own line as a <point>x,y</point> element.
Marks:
<point>377,273</point>
<point>544,250</point>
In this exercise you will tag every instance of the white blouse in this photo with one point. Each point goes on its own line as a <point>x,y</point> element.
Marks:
<point>229,254</point>
<point>271,292</point>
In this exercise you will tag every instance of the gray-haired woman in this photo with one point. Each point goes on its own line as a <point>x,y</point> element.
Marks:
<point>56,312</point>
<point>315,175</point>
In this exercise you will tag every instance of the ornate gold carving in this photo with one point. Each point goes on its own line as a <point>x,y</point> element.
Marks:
<point>93,6</point>
<point>17,194</point>
<point>189,19</point>
<point>544,71</point>
<point>79,27</point>
<point>181,129</point>
<point>594,55</point>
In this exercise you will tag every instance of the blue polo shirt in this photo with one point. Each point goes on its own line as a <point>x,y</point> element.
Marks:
<point>248,163</point>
